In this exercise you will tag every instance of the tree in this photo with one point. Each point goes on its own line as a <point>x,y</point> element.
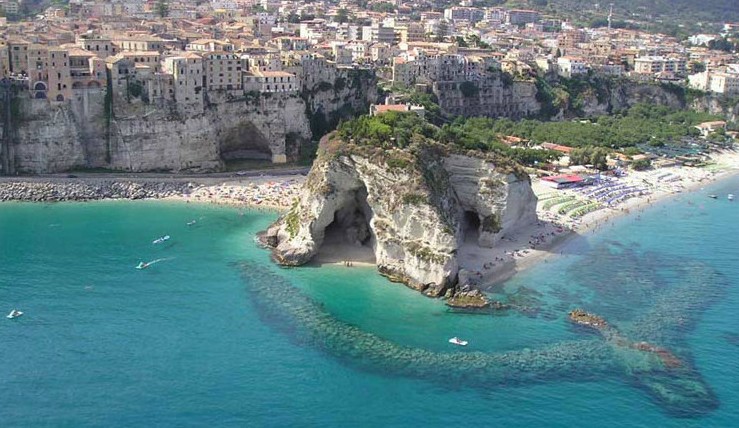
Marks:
<point>468,89</point>
<point>383,7</point>
<point>641,164</point>
<point>342,16</point>
<point>162,8</point>
<point>697,67</point>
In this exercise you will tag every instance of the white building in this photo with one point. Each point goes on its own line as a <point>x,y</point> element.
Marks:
<point>568,66</point>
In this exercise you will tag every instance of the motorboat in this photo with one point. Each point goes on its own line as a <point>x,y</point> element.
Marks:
<point>142,265</point>
<point>713,196</point>
<point>190,223</point>
<point>457,341</point>
<point>160,239</point>
<point>730,197</point>
<point>15,313</point>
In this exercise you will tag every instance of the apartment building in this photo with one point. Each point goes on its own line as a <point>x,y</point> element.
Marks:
<point>270,82</point>
<point>187,73</point>
<point>222,71</point>
<point>659,64</point>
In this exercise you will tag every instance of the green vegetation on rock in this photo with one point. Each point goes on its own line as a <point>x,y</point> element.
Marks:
<point>292,220</point>
<point>400,130</point>
<point>642,124</point>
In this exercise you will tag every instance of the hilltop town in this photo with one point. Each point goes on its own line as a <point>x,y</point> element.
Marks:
<point>174,85</point>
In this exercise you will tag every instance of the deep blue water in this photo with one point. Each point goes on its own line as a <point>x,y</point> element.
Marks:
<point>216,334</point>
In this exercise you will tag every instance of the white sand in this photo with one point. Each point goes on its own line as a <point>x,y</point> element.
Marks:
<point>538,242</point>
<point>274,193</point>
<point>516,251</point>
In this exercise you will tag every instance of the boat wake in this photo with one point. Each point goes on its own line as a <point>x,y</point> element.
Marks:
<point>144,265</point>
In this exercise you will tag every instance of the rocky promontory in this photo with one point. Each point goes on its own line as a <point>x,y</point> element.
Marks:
<point>412,207</point>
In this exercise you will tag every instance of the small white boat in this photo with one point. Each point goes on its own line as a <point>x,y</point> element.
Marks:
<point>190,223</point>
<point>160,239</point>
<point>731,197</point>
<point>458,341</point>
<point>713,196</point>
<point>15,313</point>
<point>142,265</point>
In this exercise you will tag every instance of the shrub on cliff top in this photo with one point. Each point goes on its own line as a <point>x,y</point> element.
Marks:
<point>392,129</point>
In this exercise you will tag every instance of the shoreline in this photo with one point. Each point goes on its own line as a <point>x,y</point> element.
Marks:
<point>554,230</point>
<point>258,192</point>
<point>479,267</point>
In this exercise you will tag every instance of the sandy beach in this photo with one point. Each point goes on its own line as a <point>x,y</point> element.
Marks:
<point>560,220</point>
<point>274,193</point>
<point>563,214</point>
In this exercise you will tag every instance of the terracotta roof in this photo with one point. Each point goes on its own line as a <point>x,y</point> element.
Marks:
<point>383,108</point>
<point>556,147</point>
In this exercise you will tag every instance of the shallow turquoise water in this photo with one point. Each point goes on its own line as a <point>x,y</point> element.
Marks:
<point>206,336</point>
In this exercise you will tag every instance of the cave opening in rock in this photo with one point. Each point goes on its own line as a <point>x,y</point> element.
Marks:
<point>349,236</point>
<point>243,146</point>
<point>471,226</point>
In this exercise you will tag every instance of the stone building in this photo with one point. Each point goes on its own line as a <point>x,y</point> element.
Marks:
<point>139,43</point>
<point>270,82</point>
<point>222,71</point>
<point>101,46</point>
<point>18,56</point>
<point>60,78</point>
<point>187,74</point>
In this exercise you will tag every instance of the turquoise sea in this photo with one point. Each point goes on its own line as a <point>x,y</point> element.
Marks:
<point>216,334</point>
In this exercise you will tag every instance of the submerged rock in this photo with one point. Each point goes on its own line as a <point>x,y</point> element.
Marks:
<point>473,299</point>
<point>580,317</point>
<point>413,207</point>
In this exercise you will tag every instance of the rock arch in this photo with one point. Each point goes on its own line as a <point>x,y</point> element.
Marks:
<point>349,235</point>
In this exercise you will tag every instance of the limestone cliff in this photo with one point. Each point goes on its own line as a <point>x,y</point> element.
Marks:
<point>80,133</point>
<point>414,208</point>
<point>105,129</point>
<point>606,96</point>
<point>333,94</point>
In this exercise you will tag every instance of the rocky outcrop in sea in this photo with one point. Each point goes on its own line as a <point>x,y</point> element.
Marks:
<point>413,207</point>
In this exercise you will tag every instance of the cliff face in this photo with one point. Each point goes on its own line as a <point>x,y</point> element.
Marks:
<point>333,94</point>
<point>621,95</point>
<point>615,96</point>
<point>139,137</point>
<point>93,131</point>
<point>413,208</point>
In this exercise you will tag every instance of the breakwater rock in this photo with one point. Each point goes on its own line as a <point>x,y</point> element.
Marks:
<point>580,317</point>
<point>679,390</point>
<point>412,207</point>
<point>88,190</point>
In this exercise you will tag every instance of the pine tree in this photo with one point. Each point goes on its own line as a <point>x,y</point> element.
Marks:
<point>162,8</point>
